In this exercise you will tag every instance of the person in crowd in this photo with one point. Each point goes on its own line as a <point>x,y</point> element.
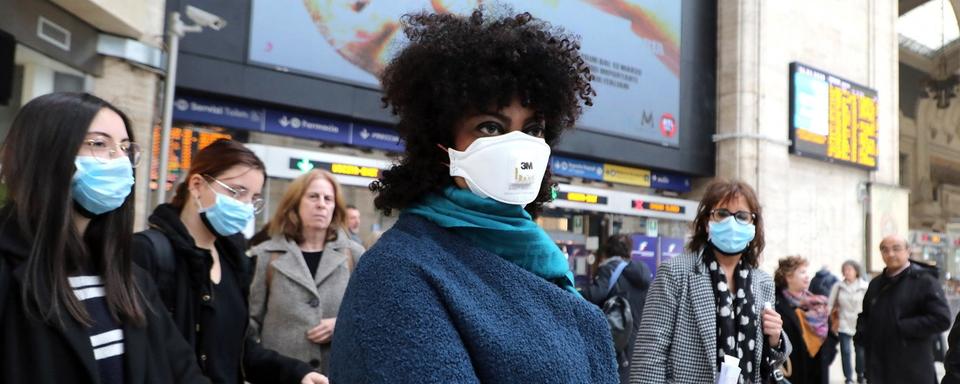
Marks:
<point>465,287</point>
<point>821,284</point>
<point>631,283</point>
<point>805,317</point>
<point>307,260</point>
<point>353,224</point>
<point>846,300</point>
<point>73,307</point>
<point>701,302</point>
<point>196,254</point>
<point>904,310</point>
<point>951,362</point>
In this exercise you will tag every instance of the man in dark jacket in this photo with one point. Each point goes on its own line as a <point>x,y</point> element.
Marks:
<point>632,284</point>
<point>952,361</point>
<point>904,310</point>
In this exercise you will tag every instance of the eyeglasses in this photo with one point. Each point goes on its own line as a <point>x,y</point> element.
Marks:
<point>105,150</point>
<point>742,217</point>
<point>238,193</point>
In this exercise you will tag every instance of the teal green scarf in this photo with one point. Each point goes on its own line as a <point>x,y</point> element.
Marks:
<point>503,229</point>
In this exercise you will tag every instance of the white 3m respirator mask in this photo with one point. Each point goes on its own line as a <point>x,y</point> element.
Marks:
<point>507,168</point>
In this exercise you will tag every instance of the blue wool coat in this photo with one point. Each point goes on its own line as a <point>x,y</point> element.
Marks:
<point>426,306</point>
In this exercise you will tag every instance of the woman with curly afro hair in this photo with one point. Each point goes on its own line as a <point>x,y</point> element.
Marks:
<point>466,287</point>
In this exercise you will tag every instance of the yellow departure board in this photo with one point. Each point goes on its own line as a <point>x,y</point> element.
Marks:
<point>832,119</point>
<point>184,144</point>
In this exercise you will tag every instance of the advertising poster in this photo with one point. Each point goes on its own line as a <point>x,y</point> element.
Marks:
<point>577,257</point>
<point>646,250</point>
<point>632,47</point>
<point>669,248</point>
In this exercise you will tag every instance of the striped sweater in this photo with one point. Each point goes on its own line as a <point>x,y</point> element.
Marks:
<point>106,335</point>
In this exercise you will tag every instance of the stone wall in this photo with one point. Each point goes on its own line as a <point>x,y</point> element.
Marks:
<point>811,208</point>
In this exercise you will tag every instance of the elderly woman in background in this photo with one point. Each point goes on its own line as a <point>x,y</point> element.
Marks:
<point>302,271</point>
<point>847,300</point>
<point>805,318</point>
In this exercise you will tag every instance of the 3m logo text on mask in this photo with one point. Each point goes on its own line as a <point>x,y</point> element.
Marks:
<point>524,173</point>
<point>486,166</point>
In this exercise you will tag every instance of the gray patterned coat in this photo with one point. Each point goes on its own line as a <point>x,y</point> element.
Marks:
<point>677,339</point>
<point>295,302</point>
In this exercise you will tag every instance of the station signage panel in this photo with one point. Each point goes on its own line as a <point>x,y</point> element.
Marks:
<point>641,205</point>
<point>229,114</point>
<point>306,165</point>
<point>579,197</point>
<point>832,119</point>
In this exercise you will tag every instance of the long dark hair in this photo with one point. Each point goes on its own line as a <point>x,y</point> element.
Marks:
<point>38,166</point>
<point>721,191</point>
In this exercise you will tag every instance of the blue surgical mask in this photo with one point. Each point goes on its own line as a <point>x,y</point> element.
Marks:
<point>730,236</point>
<point>100,187</point>
<point>227,216</point>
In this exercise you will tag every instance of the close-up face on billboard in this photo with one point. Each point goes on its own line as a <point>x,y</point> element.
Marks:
<point>632,47</point>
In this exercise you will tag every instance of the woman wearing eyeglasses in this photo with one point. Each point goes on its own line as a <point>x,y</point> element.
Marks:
<point>302,271</point>
<point>713,302</point>
<point>196,254</point>
<point>73,308</point>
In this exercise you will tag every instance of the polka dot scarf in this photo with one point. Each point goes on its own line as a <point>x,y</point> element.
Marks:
<point>736,317</point>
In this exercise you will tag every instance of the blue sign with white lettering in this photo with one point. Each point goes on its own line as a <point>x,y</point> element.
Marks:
<point>646,250</point>
<point>376,137</point>
<point>224,113</point>
<point>307,126</point>
<point>670,182</point>
<point>565,166</point>
<point>196,109</point>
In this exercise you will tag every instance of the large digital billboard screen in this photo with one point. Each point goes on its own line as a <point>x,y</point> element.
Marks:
<point>832,119</point>
<point>632,46</point>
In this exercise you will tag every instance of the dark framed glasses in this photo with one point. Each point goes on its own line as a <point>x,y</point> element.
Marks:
<point>742,217</point>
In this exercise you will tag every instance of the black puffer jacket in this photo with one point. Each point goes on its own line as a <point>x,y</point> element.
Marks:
<point>901,317</point>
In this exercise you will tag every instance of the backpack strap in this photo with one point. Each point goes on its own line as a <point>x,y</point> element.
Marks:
<point>616,276</point>
<point>165,264</point>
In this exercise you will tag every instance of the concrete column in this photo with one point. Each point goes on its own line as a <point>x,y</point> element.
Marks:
<point>135,91</point>
<point>811,208</point>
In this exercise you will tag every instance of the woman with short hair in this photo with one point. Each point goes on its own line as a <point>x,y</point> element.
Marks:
<point>713,302</point>
<point>806,317</point>
<point>846,299</point>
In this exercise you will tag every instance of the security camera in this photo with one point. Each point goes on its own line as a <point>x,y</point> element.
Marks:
<point>205,19</point>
